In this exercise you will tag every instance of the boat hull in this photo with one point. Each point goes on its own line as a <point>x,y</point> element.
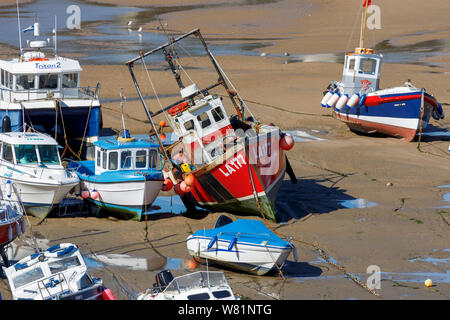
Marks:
<point>11,230</point>
<point>127,199</point>
<point>39,198</point>
<point>394,115</point>
<point>250,258</point>
<point>245,183</point>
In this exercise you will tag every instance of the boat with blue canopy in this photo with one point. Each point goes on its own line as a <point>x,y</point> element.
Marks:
<point>125,178</point>
<point>246,245</point>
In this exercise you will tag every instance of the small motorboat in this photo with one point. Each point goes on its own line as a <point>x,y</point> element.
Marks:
<point>58,273</point>
<point>125,178</point>
<point>359,102</point>
<point>200,285</point>
<point>31,172</point>
<point>12,225</point>
<point>244,244</point>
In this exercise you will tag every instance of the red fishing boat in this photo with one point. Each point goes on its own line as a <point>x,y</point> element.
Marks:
<point>233,164</point>
<point>12,225</point>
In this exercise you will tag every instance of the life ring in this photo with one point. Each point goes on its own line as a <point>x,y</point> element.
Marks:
<point>179,108</point>
<point>38,59</point>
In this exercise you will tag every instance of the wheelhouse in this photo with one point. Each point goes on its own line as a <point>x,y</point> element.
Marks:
<point>361,71</point>
<point>29,149</point>
<point>113,155</point>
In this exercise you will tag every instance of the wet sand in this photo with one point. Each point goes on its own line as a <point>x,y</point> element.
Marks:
<point>401,234</point>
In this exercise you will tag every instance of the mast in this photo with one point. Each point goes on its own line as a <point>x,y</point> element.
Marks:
<point>366,4</point>
<point>18,25</point>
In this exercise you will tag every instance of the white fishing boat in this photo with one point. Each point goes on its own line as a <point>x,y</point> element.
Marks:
<point>200,285</point>
<point>58,273</point>
<point>31,172</point>
<point>245,245</point>
<point>42,89</point>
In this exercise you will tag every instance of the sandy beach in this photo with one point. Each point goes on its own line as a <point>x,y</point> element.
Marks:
<point>404,230</point>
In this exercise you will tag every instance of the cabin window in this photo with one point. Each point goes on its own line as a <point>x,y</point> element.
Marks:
<point>204,120</point>
<point>70,80</point>
<point>367,66</point>
<point>189,125</point>
<point>2,72</point>
<point>125,159</point>
<point>48,81</point>
<point>217,114</point>
<point>199,296</point>
<point>48,154</point>
<point>27,277</point>
<point>351,64</point>
<point>99,158</point>
<point>104,159</point>
<point>26,153</point>
<point>113,160</point>
<point>141,159</point>
<point>221,294</point>
<point>153,159</point>
<point>64,264</point>
<point>7,152</point>
<point>24,82</point>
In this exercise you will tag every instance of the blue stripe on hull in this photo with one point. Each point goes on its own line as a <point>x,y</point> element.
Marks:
<point>409,109</point>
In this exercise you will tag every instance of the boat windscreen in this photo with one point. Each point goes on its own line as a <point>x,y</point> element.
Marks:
<point>48,154</point>
<point>26,153</point>
<point>64,264</point>
<point>27,277</point>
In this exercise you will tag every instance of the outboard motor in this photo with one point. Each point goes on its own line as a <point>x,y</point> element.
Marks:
<point>6,124</point>
<point>162,278</point>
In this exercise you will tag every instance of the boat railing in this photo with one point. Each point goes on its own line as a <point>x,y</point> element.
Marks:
<point>16,95</point>
<point>58,280</point>
<point>200,279</point>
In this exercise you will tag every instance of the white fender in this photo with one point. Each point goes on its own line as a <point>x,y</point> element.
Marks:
<point>10,233</point>
<point>23,227</point>
<point>8,188</point>
<point>333,100</point>
<point>18,230</point>
<point>342,102</point>
<point>353,100</point>
<point>326,98</point>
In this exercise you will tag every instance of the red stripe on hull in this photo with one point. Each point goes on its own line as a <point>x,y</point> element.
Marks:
<point>370,127</point>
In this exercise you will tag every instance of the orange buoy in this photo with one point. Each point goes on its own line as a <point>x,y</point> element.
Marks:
<point>190,179</point>
<point>185,187</point>
<point>162,137</point>
<point>85,193</point>
<point>287,142</point>
<point>178,190</point>
<point>168,184</point>
<point>162,123</point>
<point>94,194</point>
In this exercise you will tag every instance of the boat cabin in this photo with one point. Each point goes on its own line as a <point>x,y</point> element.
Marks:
<point>361,71</point>
<point>113,155</point>
<point>203,124</point>
<point>29,149</point>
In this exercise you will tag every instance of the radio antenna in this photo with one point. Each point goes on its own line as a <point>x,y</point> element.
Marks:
<point>18,24</point>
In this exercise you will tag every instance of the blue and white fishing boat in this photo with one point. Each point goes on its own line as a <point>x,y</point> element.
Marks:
<point>358,101</point>
<point>244,244</point>
<point>42,89</point>
<point>125,178</point>
<point>31,172</point>
<point>58,273</point>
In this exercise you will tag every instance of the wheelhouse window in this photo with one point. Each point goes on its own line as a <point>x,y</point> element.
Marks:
<point>204,120</point>
<point>189,125</point>
<point>113,160</point>
<point>2,74</point>
<point>26,153</point>
<point>27,277</point>
<point>367,66</point>
<point>99,158</point>
<point>48,154</point>
<point>24,82</point>
<point>64,264</point>
<point>217,114</point>
<point>351,64</point>
<point>7,153</point>
<point>141,159</point>
<point>104,159</point>
<point>48,81</point>
<point>125,159</point>
<point>70,80</point>
<point>153,159</point>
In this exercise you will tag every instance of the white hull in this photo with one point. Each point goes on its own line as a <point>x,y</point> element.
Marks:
<point>250,258</point>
